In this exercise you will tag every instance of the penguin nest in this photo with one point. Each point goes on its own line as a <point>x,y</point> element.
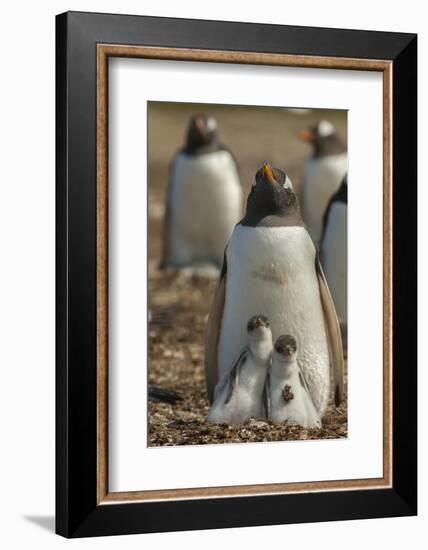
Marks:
<point>179,307</point>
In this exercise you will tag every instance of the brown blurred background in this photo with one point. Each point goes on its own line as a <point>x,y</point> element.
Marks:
<point>178,303</point>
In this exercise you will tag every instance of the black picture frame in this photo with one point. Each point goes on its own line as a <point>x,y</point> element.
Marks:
<point>77,511</point>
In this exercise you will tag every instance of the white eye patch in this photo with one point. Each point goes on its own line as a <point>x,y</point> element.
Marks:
<point>288,184</point>
<point>325,128</point>
<point>211,124</point>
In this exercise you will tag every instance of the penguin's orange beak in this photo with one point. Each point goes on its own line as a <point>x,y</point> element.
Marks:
<point>268,172</point>
<point>306,135</point>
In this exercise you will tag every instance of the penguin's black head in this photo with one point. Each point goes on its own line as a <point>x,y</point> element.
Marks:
<point>324,139</point>
<point>202,132</point>
<point>271,195</point>
<point>286,345</point>
<point>257,321</point>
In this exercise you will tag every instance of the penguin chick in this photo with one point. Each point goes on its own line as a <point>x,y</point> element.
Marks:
<point>238,395</point>
<point>287,397</point>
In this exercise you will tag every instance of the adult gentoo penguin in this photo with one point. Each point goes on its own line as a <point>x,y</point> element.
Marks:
<point>271,266</point>
<point>323,173</point>
<point>204,198</point>
<point>334,249</point>
<point>238,395</point>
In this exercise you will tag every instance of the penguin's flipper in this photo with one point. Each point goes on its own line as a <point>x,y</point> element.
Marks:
<point>266,397</point>
<point>229,380</point>
<point>167,222</point>
<point>233,376</point>
<point>213,333</point>
<point>303,382</point>
<point>334,335</point>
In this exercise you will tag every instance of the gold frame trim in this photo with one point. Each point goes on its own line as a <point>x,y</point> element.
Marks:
<point>104,51</point>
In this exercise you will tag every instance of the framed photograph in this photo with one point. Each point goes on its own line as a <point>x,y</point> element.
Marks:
<point>233,348</point>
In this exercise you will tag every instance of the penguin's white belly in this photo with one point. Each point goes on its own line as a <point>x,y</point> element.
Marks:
<point>206,202</point>
<point>298,410</point>
<point>246,400</point>
<point>271,271</point>
<point>334,256</point>
<point>322,178</point>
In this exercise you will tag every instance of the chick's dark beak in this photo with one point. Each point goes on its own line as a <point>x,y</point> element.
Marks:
<point>258,322</point>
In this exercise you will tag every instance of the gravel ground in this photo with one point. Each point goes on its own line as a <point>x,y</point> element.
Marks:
<point>179,302</point>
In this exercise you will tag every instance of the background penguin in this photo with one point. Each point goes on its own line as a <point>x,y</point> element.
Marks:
<point>238,395</point>
<point>334,250</point>
<point>287,394</point>
<point>204,198</point>
<point>322,175</point>
<point>271,265</point>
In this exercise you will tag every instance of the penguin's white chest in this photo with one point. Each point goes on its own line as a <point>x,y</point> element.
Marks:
<point>290,402</point>
<point>206,202</point>
<point>334,257</point>
<point>246,400</point>
<point>271,271</point>
<point>322,178</point>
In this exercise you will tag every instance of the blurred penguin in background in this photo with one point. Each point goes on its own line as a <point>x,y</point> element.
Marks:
<point>204,199</point>
<point>323,174</point>
<point>334,251</point>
